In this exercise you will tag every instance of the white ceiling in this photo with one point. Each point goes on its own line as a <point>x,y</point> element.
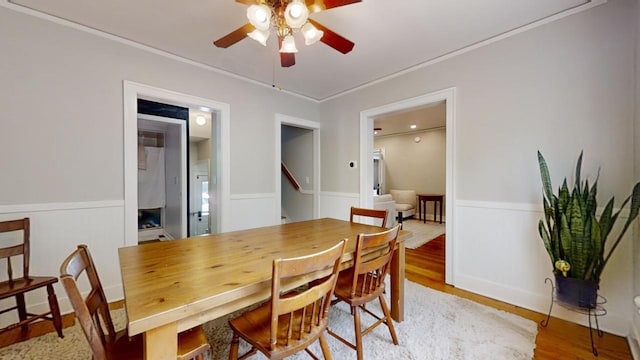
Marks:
<point>390,35</point>
<point>432,116</point>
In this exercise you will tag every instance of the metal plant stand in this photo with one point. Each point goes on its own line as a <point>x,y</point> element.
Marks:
<point>594,312</point>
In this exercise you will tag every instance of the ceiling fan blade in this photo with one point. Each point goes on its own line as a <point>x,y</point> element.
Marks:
<point>319,5</point>
<point>332,39</point>
<point>234,36</point>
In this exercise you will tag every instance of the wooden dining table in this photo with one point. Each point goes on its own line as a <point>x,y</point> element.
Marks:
<point>172,286</point>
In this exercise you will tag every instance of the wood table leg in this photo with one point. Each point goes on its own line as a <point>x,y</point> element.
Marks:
<point>397,283</point>
<point>161,342</point>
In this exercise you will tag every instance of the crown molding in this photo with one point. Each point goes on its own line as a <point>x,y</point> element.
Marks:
<point>575,10</point>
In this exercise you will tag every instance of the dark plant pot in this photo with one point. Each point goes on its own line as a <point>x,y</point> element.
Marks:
<point>576,292</point>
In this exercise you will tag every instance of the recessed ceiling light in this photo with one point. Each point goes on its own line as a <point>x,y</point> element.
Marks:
<point>414,126</point>
<point>200,120</point>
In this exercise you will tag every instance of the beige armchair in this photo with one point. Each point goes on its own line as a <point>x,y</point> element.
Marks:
<point>405,202</point>
<point>386,202</point>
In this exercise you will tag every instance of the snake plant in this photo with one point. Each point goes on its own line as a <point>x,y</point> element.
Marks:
<point>573,234</point>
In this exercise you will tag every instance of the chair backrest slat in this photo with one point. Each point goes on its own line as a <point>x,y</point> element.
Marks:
<point>372,213</point>
<point>311,304</point>
<point>369,274</point>
<point>92,311</point>
<point>21,249</point>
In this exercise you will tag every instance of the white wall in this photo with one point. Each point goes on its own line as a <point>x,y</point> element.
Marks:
<point>559,88</point>
<point>536,90</point>
<point>61,136</point>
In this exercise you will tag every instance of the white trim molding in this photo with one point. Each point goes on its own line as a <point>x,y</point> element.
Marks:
<point>253,196</point>
<point>57,20</point>
<point>32,208</point>
<point>131,92</point>
<point>281,119</point>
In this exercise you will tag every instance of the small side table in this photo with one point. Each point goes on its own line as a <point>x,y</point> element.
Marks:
<point>422,205</point>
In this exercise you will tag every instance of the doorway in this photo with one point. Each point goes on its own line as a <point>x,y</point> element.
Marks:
<point>161,175</point>
<point>366,159</point>
<point>310,177</point>
<point>218,179</point>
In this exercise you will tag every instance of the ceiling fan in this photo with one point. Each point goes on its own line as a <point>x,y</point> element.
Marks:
<point>285,17</point>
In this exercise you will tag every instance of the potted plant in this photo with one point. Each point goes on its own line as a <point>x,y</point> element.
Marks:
<point>576,237</point>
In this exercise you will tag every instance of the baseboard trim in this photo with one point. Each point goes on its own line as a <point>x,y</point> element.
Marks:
<point>31,208</point>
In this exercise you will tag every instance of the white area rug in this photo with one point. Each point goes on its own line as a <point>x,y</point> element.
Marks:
<point>437,326</point>
<point>421,233</point>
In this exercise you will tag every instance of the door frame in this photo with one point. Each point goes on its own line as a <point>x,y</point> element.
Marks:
<point>220,111</point>
<point>366,160</point>
<point>281,119</point>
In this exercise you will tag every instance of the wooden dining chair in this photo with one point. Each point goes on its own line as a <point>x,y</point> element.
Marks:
<point>292,320</point>
<point>371,213</point>
<point>365,281</point>
<point>18,286</point>
<point>93,315</point>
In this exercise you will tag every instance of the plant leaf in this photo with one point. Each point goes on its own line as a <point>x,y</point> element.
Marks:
<point>596,259</point>
<point>544,234</point>
<point>565,242</point>
<point>578,170</point>
<point>544,174</point>
<point>633,213</point>
<point>579,247</point>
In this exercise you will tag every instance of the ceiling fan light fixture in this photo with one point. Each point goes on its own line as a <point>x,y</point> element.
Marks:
<point>259,36</point>
<point>288,45</point>
<point>259,16</point>
<point>296,14</point>
<point>311,34</point>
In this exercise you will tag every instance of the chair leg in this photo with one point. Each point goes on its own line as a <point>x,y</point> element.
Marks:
<point>235,343</point>
<point>385,309</point>
<point>356,321</point>
<point>324,345</point>
<point>55,310</point>
<point>22,311</point>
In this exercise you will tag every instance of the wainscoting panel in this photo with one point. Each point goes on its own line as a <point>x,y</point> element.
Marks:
<point>56,230</point>
<point>250,211</point>
<point>498,253</point>
<point>337,205</point>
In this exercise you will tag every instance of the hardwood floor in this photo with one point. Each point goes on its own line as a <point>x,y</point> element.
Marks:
<point>560,340</point>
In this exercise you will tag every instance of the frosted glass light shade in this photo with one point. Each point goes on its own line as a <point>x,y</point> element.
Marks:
<point>311,34</point>
<point>259,36</point>
<point>259,16</point>
<point>296,14</point>
<point>200,120</point>
<point>288,45</point>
